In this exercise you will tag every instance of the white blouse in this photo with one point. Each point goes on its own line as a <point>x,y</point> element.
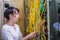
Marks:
<point>57,26</point>
<point>11,33</point>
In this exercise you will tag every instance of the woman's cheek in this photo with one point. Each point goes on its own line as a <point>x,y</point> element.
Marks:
<point>17,16</point>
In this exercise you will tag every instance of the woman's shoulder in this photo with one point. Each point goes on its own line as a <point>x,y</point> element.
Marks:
<point>5,27</point>
<point>56,23</point>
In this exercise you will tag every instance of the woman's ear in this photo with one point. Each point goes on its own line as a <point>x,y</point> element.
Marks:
<point>10,16</point>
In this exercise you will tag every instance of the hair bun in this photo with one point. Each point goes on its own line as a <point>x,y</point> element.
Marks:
<point>6,5</point>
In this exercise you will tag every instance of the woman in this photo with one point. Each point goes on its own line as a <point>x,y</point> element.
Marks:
<point>11,31</point>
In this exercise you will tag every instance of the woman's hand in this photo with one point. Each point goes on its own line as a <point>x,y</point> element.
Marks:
<point>29,36</point>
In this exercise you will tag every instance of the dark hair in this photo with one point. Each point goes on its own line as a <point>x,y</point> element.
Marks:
<point>17,9</point>
<point>58,10</point>
<point>9,11</point>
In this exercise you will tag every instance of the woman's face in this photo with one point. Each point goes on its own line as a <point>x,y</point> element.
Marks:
<point>15,16</point>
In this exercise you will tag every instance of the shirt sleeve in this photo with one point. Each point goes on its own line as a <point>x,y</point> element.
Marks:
<point>6,34</point>
<point>20,35</point>
<point>55,26</point>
